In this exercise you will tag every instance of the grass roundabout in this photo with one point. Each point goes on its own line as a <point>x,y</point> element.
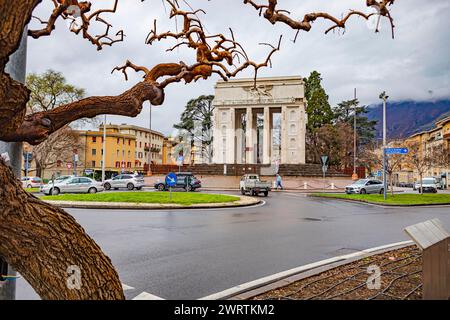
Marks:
<point>179,198</point>
<point>402,199</point>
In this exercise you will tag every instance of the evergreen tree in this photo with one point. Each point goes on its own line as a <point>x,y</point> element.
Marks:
<point>365,128</point>
<point>319,110</point>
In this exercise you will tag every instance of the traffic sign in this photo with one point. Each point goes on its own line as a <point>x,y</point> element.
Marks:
<point>396,150</point>
<point>324,160</point>
<point>171,179</point>
<point>88,171</point>
<point>69,165</point>
<point>379,173</point>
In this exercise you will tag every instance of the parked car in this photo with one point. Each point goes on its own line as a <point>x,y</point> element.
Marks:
<point>429,184</point>
<point>364,186</point>
<point>185,180</point>
<point>251,183</point>
<point>129,181</point>
<point>72,185</point>
<point>31,182</point>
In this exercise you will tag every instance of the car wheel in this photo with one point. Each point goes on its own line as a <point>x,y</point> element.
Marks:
<point>381,191</point>
<point>139,188</point>
<point>54,191</point>
<point>130,186</point>
<point>266,193</point>
<point>107,186</point>
<point>92,190</point>
<point>363,191</point>
<point>188,188</point>
<point>161,187</point>
<point>243,191</point>
<point>29,186</point>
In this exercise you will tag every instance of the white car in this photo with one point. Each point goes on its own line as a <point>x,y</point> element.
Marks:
<point>429,184</point>
<point>31,182</point>
<point>72,185</point>
<point>364,186</point>
<point>129,181</point>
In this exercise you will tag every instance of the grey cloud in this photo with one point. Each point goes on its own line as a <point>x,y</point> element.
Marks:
<point>408,67</point>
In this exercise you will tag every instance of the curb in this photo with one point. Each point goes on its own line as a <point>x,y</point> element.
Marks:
<point>248,289</point>
<point>243,202</point>
<point>386,205</point>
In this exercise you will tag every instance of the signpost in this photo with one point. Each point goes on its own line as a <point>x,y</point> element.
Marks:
<point>171,181</point>
<point>180,161</point>
<point>386,153</point>
<point>69,166</point>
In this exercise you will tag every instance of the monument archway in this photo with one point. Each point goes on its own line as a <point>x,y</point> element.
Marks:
<point>262,124</point>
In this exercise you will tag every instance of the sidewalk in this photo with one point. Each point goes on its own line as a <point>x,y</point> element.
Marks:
<point>231,183</point>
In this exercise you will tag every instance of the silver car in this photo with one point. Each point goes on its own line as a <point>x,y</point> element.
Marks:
<point>129,181</point>
<point>72,185</point>
<point>364,186</point>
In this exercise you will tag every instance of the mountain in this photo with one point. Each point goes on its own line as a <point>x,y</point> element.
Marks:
<point>405,118</point>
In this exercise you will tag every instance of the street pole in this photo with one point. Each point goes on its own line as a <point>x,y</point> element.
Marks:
<point>16,68</point>
<point>150,144</point>
<point>104,150</point>
<point>384,97</point>
<point>354,138</point>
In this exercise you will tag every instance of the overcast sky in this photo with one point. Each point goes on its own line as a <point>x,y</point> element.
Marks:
<point>415,65</point>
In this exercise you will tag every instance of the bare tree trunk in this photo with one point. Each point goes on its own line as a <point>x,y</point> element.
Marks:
<point>420,181</point>
<point>41,242</point>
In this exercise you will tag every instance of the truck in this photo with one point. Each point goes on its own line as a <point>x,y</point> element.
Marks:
<point>252,184</point>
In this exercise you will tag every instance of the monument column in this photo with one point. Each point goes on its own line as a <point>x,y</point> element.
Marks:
<point>266,136</point>
<point>284,136</point>
<point>249,137</point>
<point>231,149</point>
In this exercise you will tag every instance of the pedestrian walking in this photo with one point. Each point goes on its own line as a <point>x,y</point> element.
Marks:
<point>279,182</point>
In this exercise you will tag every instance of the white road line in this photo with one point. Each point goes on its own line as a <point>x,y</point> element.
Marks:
<point>125,287</point>
<point>281,275</point>
<point>147,296</point>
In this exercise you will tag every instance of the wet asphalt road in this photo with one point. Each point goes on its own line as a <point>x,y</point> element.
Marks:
<point>193,253</point>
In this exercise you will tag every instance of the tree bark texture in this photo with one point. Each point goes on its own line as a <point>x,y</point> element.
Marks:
<point>42,242</point>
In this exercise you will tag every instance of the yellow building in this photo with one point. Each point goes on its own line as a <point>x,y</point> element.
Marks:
<point>145,149</point>
<point>438,137</point>
<point>168,151</point>
<point>120,151</point>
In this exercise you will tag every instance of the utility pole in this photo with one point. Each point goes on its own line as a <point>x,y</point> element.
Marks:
<point>150,144</point>
<point>354,139</point>
<point>104,150</point>
<point>384,97</point>
<point>16,68</point>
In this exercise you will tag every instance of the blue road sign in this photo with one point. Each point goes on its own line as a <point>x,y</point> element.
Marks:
<point>379,173</point>
<point>396,150</point>
<point>171,179</point>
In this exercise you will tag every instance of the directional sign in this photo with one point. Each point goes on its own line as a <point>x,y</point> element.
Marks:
<point>379,173</point>
<point>171,179</point>
<point>324,160</point>
<point>396,150</point>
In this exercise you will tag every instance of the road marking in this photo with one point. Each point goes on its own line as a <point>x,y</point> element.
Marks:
<point>125,287</point>
<point>147,296</point>
<point>285,274</point>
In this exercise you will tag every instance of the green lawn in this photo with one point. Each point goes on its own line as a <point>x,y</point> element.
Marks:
<point>183,198</point>
<point>396,199</point>
<point>32,189</point>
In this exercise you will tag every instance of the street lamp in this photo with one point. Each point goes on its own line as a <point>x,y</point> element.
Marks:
<point>104,150</point>
<point>384,97</point>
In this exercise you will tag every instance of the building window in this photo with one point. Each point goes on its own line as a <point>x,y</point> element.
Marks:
<point>117,153</point>
<point>118,140</point>
<point>117,164</point>
<point>102,151</point>
<point>58,163</point>
<point>94,139</point>
<point>94,152</point>
<point>93,164</point>
<point>140,144</point>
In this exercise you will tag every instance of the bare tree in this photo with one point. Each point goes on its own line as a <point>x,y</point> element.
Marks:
<point>419,159</point>
<point>40,240</point>
<point>58,147</point>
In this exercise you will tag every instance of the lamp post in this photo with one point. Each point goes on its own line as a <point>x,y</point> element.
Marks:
<point>384,97</point>
<point>150,144</point>
<point>355,175</point>
<point>104,150</point>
